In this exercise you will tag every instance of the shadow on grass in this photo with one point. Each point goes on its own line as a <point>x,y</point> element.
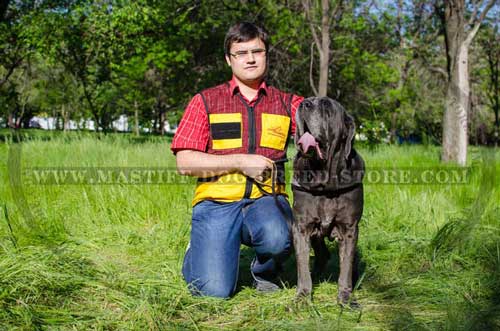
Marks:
<point>288,276</point>
<point>478,310</point>
<point>39,284</point>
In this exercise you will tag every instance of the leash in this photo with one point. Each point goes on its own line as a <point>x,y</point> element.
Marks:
<point>274,179</point>
<point>274,182</point>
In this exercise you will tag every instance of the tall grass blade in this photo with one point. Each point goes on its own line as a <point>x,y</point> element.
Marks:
<point>11,232</point>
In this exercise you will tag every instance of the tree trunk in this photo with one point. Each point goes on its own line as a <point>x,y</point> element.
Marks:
<point>322,42</point>
<point>458,92</point>
<point>136,119</point>
<point>457,107</point>
<point>324,55</point>
<point>162,122</point>
<point>11,121</point>
<point>65,116</point>
<point>57,120</point>
<point>155,124</point>
<point>20,117</point>
<point>394,122</point>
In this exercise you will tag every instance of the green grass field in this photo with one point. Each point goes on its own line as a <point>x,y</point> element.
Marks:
<point>108,257</point>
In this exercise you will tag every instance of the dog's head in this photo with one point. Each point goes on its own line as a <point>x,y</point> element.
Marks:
<point>323,128</point>
<point>324,136</point>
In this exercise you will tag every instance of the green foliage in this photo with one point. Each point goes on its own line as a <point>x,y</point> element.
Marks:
<point>148,58</point>
<point>372,133</point>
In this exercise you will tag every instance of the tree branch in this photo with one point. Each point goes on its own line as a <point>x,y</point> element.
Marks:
<point>307,9</point>
<point>311,80</point>
<point>440,71</point>
<point>13,66</point>
<point>474,13</point>
<point>478,22</point>
<point>337,13</point>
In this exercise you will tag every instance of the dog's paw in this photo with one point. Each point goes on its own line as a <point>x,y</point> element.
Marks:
<point>352,304</point>
<point>346,300</point>
<point>303,292</point>
<point>302,300</point>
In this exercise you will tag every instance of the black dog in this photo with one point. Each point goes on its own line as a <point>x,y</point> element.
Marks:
<point>328,191</point>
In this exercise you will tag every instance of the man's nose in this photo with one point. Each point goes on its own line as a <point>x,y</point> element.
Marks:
<point>250,57</point>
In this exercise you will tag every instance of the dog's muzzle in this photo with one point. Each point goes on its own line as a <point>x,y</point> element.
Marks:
<point>307,141</point>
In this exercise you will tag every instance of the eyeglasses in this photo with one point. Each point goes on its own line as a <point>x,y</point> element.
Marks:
<point>244,55</point>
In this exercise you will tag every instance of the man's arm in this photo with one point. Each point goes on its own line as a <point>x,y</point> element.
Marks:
<point>200,164</point>
<point>296,101</point>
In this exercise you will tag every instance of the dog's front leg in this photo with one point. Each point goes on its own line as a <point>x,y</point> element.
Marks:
<point>347,251</point>
<point>301,243</point>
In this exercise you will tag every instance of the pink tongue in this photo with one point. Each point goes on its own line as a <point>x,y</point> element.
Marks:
<point>307,141</point>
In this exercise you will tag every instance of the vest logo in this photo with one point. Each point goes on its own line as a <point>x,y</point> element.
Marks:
<point>276,131</point>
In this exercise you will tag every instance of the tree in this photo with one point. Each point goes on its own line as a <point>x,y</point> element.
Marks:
<point>15,53</point>
<point>322,40</point>
<point>12,48</point>
<point>59,94</point>
<point>459,33</point>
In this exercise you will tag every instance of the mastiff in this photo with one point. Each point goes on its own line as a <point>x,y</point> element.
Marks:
<point>328,192</point>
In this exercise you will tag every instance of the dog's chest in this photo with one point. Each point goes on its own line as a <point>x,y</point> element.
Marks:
<point>317,215</point>
<point>326,209</point>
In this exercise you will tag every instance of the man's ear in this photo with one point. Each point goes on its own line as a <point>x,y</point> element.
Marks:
<point>228,60</point>
<point>350,127</point>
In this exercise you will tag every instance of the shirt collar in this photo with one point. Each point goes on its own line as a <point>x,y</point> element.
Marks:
<point>233,86</point>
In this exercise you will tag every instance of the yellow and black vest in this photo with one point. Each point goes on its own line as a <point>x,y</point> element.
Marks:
<point>236,127</point>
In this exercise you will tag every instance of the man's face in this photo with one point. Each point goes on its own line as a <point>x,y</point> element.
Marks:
<point>247,60</point>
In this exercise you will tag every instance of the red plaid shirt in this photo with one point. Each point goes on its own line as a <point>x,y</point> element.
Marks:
<point>193,131</point>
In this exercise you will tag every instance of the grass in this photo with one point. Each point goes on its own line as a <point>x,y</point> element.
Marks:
<point>108,257</point>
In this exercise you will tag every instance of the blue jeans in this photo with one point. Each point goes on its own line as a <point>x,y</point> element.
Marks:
<point>218,229</point>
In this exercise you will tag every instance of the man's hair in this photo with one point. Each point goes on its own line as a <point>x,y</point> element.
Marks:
<point>242,32</point>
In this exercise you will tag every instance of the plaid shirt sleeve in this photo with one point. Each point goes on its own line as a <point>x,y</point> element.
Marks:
<point>193,130</point>
<point>296,101</point>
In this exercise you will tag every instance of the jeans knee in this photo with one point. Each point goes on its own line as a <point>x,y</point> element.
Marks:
<point>278,245</point>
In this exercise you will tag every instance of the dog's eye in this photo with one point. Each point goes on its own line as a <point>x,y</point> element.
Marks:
<point>325,104</point>
<point>307,104</point>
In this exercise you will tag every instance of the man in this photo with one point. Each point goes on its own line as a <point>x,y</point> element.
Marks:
<point>232,137</point>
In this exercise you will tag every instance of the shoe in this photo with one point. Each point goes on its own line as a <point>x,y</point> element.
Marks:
<point>265,286</point>
<point>262,285</point>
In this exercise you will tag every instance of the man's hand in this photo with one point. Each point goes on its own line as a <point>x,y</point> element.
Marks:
<point>253,165</point>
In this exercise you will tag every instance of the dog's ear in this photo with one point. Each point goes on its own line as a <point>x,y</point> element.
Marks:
<point>299,123</point>
<point>350,130</point>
